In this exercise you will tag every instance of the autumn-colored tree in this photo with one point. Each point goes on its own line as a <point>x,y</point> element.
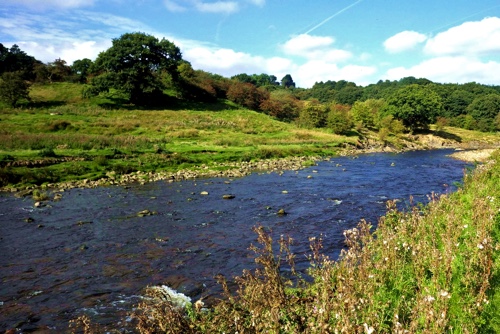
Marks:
<point>247,95</point>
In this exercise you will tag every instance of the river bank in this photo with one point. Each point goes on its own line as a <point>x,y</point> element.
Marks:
<point>470,152</point>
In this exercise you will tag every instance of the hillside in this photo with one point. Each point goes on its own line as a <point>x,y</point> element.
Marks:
<point>63,137</point>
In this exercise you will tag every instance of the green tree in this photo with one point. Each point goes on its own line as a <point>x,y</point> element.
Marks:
<point>339,119</point>
<point>13,88</point>
<point>135,64</point>
<point>81,69</point>
<point>287,81</point>
<point>367,112</point>
<point>313,115</point>
<point>484,109</point>
<point>415,105</point>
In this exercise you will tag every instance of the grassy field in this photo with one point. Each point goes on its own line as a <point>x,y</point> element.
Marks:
<point>68,138</point>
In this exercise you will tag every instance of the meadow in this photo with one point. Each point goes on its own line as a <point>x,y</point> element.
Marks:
<point>61,137</point>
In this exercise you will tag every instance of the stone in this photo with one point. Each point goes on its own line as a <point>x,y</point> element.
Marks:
<point>144,213</point>
<point>228,196</point>
<point>204,193</point>
<point>281,212</point>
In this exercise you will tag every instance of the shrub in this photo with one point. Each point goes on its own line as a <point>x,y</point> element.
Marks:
<point>47,152</point>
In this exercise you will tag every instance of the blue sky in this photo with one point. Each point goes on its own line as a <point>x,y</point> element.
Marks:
<point>355,40</point>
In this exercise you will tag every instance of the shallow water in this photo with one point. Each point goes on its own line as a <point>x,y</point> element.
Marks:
<point>90,253</point>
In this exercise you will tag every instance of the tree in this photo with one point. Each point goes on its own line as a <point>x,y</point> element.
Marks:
<point>16,60</point>
<point>13,88</point>
<point>247,95</point>
<point>58,70</point>
<point>339,119</point>
<point>287,81</point>
<point>81,68</point>
<point>367,112</point>
<point>484,109</point>
<point>313,115</point>
<point>135,64</point>
<point>415,105</point>
<point>281,105</point>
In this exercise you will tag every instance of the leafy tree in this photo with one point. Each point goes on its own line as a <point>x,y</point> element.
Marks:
<point>485,108</point>
<point>339,119</point>
<point>16,60</point>
<point>313,115</point>
<point>348,94</point>
<point>135,64</point>
<point>13,88</point>
<point>81,69</point>
<point>244,78</point>
<point>281,105</point>
<point>247,95</point>
<point>416,106</point>
<point>287,81</point>
<point>58,70</point>
<point>457,102</point>
<point>367,112</point>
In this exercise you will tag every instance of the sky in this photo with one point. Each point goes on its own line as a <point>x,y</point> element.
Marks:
<point>362,41</point>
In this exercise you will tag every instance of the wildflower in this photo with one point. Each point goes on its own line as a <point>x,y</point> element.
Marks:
<point>445,294</point>
<point>368,330</point>
<point>480,246</point>
<point>429,299</point>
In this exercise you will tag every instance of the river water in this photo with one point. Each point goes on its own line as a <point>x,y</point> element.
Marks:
<point>90,253</point>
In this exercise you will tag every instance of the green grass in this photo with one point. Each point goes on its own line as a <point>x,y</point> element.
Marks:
<point>60,125</point>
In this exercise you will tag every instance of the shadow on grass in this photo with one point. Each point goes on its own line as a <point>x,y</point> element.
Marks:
<point>447,135</point>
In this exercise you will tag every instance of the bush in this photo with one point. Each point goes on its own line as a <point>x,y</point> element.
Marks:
<point>13,88</point>
<point>47,153</point>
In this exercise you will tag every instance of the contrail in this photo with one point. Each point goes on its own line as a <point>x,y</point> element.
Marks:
<point>331,17</point>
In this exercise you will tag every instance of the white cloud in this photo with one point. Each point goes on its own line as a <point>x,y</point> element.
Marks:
<point>47,4</point>
<point>216,7</point>
<point>472,38</point>
<point>403,41</point>
<point>454,69</point>
<point>303,44</point>
<point>228,62</point>
<point>174,6</point>
<point>315,48</point>
<point>225,7</point>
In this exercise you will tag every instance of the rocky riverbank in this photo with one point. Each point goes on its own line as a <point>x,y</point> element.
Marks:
<point>480,155</point>
<point>240,169</point>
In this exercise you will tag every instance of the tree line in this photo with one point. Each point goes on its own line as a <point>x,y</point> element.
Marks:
<point>149,71</point>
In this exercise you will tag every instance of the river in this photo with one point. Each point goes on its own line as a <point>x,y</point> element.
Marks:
<point>91,253</point>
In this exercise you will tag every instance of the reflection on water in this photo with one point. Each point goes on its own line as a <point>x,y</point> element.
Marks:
<point>90,253</point>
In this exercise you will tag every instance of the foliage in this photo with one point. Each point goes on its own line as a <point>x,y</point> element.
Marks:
<point>16,60</point>
<point>282,105</point>
<point>367,112</point>
<point>416,106</point>
<point>312,115</point>
<point>287,81</point>
<point>247,95</point>
<point>339,119</point>
<point>81,69</point>
<point>13,88</point>
<point>484,109</point>
<point>135,64</point>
